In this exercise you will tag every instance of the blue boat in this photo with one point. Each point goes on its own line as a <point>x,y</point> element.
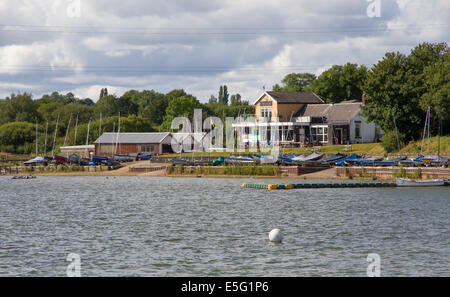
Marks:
<point>330,159</point>
<point>350,159</point>
<point>145,157</point>
<point>103,160</point>
<point>391,162</point>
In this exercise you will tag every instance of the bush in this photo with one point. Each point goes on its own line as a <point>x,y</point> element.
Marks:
<point>389,141</point>
<point>417,174</point>
<point>399,173</point>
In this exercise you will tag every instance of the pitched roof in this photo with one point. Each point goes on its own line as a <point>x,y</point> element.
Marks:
<point>340,112</point>
<point>133,138</point>
<point>295,97</point>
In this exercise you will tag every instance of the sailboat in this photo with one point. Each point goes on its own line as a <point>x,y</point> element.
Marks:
<point>118,156</point>
<point>36,160</point>
<point>57,158</point>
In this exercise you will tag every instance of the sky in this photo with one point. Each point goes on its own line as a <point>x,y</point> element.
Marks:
<point>81,46</point>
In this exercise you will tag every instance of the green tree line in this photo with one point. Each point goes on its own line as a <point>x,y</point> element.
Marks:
<point>398,90</point>
<point>140,111</point>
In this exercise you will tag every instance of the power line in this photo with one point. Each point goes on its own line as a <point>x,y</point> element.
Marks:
<point>150,31</point>
<point>168,69</point>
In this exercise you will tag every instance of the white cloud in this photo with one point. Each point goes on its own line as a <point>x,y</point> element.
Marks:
<point>50,54</point>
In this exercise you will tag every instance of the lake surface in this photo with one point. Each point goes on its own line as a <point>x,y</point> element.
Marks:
<point>141,226</point>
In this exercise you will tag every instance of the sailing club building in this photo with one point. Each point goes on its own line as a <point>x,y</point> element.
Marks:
<point>303,118</point>
<point>109,144</point>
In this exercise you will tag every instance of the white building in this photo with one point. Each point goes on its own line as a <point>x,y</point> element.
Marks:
<point>303,118</point>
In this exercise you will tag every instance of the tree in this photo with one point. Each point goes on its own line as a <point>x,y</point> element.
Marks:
<point>180,107</point>
<point>19,108</point>
<point>103,93</point>
<point>235,99</point>
<point>295,82</point>
<point>223,95</point>
<point>111,105</point>
<point>392,141</point>
<point>155,108</point>
<point>340,83</point>
<point>49,111</point>
<point>212,99</point>
<point>437,94</point>
<point>396,85</point>
<point>17,137</point>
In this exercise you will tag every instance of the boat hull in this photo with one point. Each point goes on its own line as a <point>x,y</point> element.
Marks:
<point>404,182</point>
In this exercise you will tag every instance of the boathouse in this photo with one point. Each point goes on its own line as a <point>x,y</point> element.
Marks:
<point>302,118</point>
<point>133,143</point>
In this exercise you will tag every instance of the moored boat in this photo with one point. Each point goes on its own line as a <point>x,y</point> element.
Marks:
<point>406,182</point>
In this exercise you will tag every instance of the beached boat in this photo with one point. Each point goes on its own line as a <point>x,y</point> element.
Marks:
<point>349,160</point>
<point>406,182</point>
<point>238,160</point>
<point>123,158</point>
<point>269,160</point>
<point>330,159</point>
<point>434,160</point>
<point>411,162</point>
<point>103,160</point>
<point>145,157</point>
<point>60,159</point>
<point>36,161</point>
<point>310,157</point>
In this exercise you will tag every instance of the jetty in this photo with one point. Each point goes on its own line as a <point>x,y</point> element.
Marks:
<point>324,185</point>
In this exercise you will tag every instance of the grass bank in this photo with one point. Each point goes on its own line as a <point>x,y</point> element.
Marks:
<point>236,170</point>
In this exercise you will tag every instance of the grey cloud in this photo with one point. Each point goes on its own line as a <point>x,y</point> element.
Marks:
<point>199,45</point>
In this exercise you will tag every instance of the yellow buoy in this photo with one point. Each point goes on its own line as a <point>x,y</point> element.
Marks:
<point>272,187</point>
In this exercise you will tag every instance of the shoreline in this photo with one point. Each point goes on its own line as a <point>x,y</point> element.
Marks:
<point>333,173</point>
<point>329,174</point>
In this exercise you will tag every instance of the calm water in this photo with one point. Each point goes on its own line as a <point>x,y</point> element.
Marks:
<point>141,226</point>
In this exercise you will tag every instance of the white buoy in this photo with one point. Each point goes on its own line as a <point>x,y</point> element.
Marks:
<point>275,235</point>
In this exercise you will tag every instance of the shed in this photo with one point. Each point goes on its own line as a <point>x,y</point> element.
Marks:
<point>133,143</point>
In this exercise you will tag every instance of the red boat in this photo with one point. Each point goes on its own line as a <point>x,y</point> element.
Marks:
<point>60,159</point>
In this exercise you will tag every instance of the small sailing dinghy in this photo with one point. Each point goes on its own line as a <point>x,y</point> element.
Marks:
<point>406,182</point>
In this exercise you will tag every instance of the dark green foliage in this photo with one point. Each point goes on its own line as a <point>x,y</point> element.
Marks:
<point>340,83</point>
<point>402,87</point>
<point>391,143</point>
<point>19,108</point>
<point>18,137</point>
<point>295,82</point>
<point>223,95</point>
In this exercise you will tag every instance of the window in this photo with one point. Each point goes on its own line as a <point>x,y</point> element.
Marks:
<point>357,129</point>
<point>148,148</point>
<point>266,112</point>
<point>319,134</point>
<point>107,148</point>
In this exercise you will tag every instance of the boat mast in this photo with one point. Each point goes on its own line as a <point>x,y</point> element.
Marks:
<point>45,145</point>
<point>117,136</point>
<point>68,128</point>
<point>424,130</point>
<point>87,138</point>
<point>439,138</point>
<point>100,127</point>
<point>54,138</point>
<point>37,138</point>
<point>396,132</point>
<point>76,128</point>
<point>428,142</point>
